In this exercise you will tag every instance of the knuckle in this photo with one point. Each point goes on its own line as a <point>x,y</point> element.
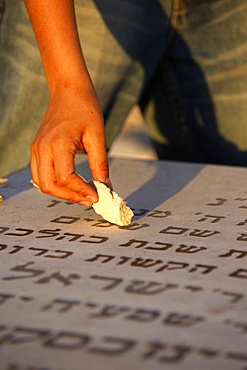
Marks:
<point>104,166</point>
<point>63,180</point>
<point>45,188</point>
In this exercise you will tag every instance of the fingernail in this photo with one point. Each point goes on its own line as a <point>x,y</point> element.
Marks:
<point>85,203</point>
<point>91,199</point>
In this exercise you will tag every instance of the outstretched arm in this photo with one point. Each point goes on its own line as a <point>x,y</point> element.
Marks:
<point>73,120</point>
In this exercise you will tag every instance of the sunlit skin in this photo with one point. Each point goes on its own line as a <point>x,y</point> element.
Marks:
<point>73,120</point>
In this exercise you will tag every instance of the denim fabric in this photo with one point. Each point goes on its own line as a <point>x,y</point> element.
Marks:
<point>23,92</point>
<point>197,104</point>
<point>184,61</point>
<point>123,42</point>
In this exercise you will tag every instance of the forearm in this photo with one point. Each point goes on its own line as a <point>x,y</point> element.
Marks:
<point>73,120</point>
<point>54,25</point>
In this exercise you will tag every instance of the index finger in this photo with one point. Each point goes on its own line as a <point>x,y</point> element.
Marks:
<point>49,184</point>
<point>68,179</point>
<point>97,158</point>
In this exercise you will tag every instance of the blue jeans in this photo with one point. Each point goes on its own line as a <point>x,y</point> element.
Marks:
<point>183,61</point>
<point>196,105</point>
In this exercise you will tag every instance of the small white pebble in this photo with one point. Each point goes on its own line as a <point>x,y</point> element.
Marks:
<point>111,207</point>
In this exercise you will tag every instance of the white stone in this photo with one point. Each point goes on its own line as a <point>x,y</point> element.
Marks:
<point>111,206</point>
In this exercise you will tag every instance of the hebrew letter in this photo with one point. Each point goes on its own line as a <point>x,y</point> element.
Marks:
<point>106,258</point>
<point>203,233</point>
<point>23,268</point>
<point>103,223</point>
<point>118,346</point>
<point>140,262</point>
<point>2,247</point>
<point>24,232</point>
<point>242,237</point>
<point>114,281</point>
<point>143,315</point>
<point>3,229</point>
<point>67,341</point>
<point>140,243</point>
<point>65,220</point>
<point>16,249</point>
<point>134,226</point>
<point>54,202</point>
<point>172,230</point>
<point>215,218</point>
<point>96,239</point>
<point>241,254</point>
<point>41,250</point>
<point>159,214</point>
<point>240,273</point>
<point>140,212</point>
<point>65,305</point>
<point>189,249</point>
<point>177,266</point>
<point>65,280</point>
<point>182,320</point>
<point>74,236</point>
<point>5,297</point>
<point>49,233</point>
<point>123,260</point>
<point>110,311</point>
<point>164,246</point>
<point>148,288</point>
<point>207,268</point>
<point>63,254</point>
<point>220,202</point>
<point>24,335</point>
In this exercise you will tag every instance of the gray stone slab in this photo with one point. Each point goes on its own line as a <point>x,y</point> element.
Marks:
<point>166,292</point>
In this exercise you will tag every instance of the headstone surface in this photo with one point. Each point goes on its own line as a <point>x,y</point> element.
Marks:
<point>167,292</point>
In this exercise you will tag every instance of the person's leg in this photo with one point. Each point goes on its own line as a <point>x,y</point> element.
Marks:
<point>23,92</point>
<point>123,42</point>
<point>204,78</point>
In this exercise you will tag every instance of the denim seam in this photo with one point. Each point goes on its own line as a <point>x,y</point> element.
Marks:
<point>176,104</point>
